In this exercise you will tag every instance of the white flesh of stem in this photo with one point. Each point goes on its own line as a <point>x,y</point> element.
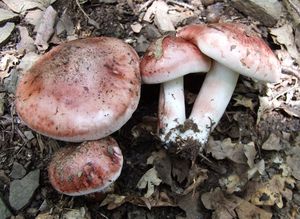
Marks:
<point>212,100</point>
<point>171,106</point>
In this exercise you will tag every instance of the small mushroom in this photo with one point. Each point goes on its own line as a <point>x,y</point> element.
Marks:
<point>234,51</point>
<point>166,61</point>
<point>80,90</point>
<point>90,167</point>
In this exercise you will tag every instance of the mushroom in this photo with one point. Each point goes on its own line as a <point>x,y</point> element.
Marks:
<point>90,167</point>
<point>235,50</point>
<point>166,61</point>
<point>81,90</point>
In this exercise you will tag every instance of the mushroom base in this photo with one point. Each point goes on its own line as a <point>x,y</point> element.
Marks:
<point>186,140</point>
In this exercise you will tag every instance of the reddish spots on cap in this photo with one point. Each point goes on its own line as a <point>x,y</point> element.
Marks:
<point>235,46</point>
<point>80,90</point>
<point>89,167</point>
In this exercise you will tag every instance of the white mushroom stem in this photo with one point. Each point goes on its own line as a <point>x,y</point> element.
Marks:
<point>211,102</point>
<point>171,108</point>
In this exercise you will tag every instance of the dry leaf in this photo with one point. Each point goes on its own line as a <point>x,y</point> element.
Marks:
<point>258,167</point>
<point>231,206</point>
<point>189,203</point>
<point>6,31</point>
<point>149,180</point>
<point>284,36</point>
<point>292,108</point>
<point>6,63</point>
<point>2,101</point>
<point>272,143</point>
<point>265,105</point>
<point>226,149</point>
<point>293,161</point>
<point>136,27</point>
<point>243,101</point>
<point>6,15</point>
<point>24,5</point>
<point>65,23</point>
<point>232,183</point>
<point>246,210</point>
<point>34,18</point>
<point>269,193</point>
<point>27,61</point>
<point>46,29</point>
<point>27,43</point>
<point>81,213</point>
<point>250,153</point>
<point>159,200</point>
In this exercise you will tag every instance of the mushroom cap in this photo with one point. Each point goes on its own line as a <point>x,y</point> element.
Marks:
<point>81,90</point>
<point>87,168</point>
<point>235,47</point>
<point>171,57</point>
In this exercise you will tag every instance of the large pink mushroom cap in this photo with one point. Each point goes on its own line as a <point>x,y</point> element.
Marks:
<point>236,47</point>
<point>81,90</point>
<point>90,167</point>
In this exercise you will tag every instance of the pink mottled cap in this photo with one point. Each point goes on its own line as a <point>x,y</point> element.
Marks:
<point>81,90</point>
<point>90,167</point>
<point>235,47</point>
<point>171,57</point>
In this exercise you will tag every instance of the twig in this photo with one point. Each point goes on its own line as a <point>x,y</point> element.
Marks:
<point>90,21</point>
<point>290,71</point>
<point>182,4</point>
<point>12,132</point>
<point>145,5</point>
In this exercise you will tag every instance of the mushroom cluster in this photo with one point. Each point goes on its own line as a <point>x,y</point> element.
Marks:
<point>84,90</point>
<point>232,49</point>
<point>80,91</point>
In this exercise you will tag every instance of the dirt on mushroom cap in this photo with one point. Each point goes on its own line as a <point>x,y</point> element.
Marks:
<point>236,47</point>
<point>80,90</point>
<point>90,167</point>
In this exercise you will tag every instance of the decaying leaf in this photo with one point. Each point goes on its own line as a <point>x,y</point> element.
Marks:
<point>226,149</point>
<point>149,180</point>
<point>265,105</point>
<point>243,101</point>
<point>65,24</point>
<point>246,210</point>
<point>24,5</point>
<point>34,17</point>
<point>258,167</point>
<point>292,108</point>
<point>284,36</point>
<point>6,31</point>
<point>27,43</point>
<point>81,213</point>
<point>293,161</point>
<point>232,183</point>
<point>158,200</point>
<point>27,61</point>
<point>250,153</point>
<point>6,15</point>
<point>231,206</point>
<point>272,143</point>
<point>270,192</point>
<point>6,63</point>
<point>46,29</point>
<point>189,203</point>
<point>2,101</point>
